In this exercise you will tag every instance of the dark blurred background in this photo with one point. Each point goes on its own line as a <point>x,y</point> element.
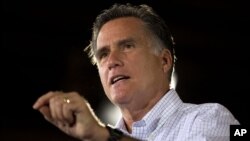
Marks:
<point>42,50</point>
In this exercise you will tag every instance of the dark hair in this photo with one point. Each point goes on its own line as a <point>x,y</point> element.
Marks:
<point>154,22</point>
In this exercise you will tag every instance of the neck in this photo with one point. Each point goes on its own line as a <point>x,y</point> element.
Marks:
<point>133,113</point>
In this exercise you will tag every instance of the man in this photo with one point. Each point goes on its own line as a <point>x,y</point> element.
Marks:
<point>134,52</point>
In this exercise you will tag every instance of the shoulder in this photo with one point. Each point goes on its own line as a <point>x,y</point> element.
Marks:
<point>209,112</point>
<point>213,111</point>
<point>210,119</point>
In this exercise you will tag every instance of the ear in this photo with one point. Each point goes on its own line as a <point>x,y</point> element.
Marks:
<point>167,60</point>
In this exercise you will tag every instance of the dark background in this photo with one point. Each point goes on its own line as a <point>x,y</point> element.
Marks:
<point>42,50</point>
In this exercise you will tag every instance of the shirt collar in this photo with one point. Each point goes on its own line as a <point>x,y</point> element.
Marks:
<point>166,106</point>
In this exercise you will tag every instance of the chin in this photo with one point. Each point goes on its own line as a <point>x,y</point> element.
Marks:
<point>120,98</point>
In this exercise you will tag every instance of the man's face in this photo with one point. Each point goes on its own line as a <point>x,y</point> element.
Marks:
<point>129,69</point>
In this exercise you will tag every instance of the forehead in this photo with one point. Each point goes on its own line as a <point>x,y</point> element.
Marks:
<point>121,28</point>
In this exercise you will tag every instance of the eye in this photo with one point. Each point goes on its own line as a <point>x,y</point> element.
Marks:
<point>103,55</point>
<point>128,47</point>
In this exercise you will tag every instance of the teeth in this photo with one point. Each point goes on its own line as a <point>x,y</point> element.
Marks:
<point>118,78</point>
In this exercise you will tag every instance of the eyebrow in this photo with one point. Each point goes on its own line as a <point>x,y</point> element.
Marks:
<point>124,41</point>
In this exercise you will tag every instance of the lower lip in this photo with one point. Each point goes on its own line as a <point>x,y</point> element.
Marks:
<point>120,81</point>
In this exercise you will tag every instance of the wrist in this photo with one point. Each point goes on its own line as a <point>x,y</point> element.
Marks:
<point>99,133</point>
<point>114,134</point>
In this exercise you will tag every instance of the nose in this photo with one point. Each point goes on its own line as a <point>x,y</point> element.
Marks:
<point>114,60</point>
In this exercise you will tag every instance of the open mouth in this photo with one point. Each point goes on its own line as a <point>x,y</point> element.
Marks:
<point>118,78</point>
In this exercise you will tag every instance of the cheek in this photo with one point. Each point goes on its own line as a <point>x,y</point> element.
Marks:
<point>150,67</point>
<point>140,68</point>
<point>145,63</point>
<point>102,76</point>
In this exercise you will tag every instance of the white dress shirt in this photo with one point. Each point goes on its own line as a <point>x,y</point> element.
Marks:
<point>172,120</point>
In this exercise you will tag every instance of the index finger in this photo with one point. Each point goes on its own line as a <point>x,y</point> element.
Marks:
<point>43,100</point>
